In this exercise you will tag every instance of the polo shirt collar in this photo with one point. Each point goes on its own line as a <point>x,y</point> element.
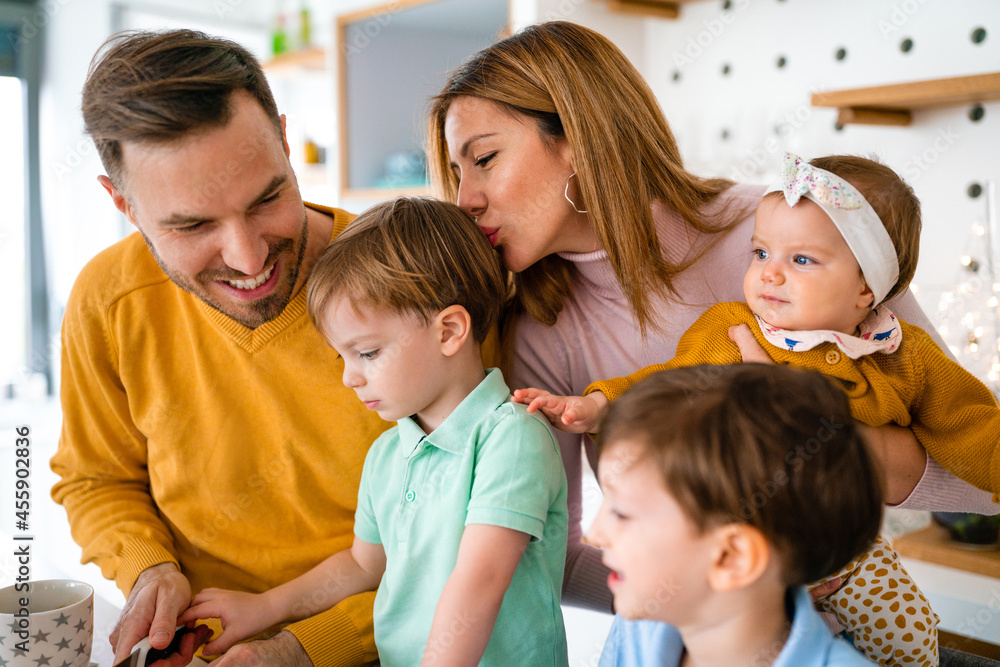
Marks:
<point>453,434</point>
<point>809,641</point>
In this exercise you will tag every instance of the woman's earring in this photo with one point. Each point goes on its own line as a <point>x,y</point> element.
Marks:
<point>566,194</point>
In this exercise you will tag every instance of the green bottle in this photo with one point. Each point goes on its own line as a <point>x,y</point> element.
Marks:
<point>279,39</point>
<point>305,28</point>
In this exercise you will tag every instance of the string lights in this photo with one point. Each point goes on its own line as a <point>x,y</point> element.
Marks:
<point>969,314</point>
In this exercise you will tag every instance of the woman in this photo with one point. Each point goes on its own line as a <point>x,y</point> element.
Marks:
<point>555,144</point>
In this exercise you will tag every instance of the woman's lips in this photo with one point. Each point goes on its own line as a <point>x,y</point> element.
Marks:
<point>491,234</point>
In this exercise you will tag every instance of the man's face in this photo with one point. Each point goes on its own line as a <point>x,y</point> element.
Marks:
<point>221,212</point>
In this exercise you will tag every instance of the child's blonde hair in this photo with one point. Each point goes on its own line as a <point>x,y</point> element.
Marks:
<point>894,202</point>
<point>770,446</point>
<point>413,255</point>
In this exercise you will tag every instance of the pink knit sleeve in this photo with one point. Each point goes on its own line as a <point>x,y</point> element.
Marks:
<point>541,361</point>
<point>938,489</point>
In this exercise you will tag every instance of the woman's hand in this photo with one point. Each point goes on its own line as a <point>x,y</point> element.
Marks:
<point>902,458</point>
<point>750,349</point>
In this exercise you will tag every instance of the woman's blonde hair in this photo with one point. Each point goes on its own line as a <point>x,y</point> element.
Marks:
<point>412,255</point>
<point>576,84</point>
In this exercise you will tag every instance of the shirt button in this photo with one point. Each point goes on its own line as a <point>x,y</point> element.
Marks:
<point>832,357</point>
<point>410,496</point>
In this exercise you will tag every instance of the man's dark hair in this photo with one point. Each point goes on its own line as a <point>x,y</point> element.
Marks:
<point>158,86</point>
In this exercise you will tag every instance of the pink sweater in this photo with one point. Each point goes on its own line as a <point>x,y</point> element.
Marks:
<point>596,338</point>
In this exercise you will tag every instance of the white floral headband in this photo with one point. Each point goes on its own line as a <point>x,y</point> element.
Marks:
<point>850,212</point>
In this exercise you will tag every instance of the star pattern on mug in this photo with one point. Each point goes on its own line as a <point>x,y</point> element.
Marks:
<point>58,638</point>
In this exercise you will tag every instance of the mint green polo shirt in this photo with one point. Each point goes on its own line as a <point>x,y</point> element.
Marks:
<point>490,462</point>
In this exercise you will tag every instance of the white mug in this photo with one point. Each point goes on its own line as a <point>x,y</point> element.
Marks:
<point>47,622</point>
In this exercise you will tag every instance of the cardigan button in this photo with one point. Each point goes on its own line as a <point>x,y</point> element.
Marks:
<point>833,357</point>
<point>410,496</point>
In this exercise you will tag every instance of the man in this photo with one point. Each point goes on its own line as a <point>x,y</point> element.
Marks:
<point>208,439</point>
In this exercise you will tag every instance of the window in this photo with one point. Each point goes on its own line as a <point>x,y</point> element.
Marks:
<point>13,343</point>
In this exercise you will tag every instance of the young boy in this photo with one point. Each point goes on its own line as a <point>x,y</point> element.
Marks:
<point>461,522</point>
<point>726,488</point>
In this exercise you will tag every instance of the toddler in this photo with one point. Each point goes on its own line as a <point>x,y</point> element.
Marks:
<point>677,457</point>
<point>461,522</point>
<point>832,240</point>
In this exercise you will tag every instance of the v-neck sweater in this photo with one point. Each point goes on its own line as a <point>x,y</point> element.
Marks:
<point>188,438</point>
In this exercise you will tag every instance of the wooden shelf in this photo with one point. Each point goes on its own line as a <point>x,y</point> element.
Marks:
<point>932,545</point>
<point>308,59</point>
<point>968,644</point>
<point>893,104</point>
<point>666,9</point>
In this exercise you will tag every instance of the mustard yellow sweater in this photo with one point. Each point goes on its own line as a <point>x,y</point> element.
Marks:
<point>188,438</point>
<point>952,414</point>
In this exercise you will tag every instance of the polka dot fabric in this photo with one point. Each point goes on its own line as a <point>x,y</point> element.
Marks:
<point>883,611</point>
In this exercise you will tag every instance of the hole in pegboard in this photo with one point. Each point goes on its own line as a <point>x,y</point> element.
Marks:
<point>677,75</point>
<point>841,54</point>
<point>726,69</point>
<point>978,36</point>
<point>906,45</point>
<point>976,113</point>
<point>782,61</point>
<point>725,134</point>
<point>974,190</point>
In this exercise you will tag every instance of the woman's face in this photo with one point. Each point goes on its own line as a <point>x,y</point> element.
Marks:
<point>512,179</point>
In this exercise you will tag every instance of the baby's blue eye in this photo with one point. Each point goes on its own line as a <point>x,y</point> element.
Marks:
<point>368,356</point>
<point>802,261</point>
<point>760,254</point>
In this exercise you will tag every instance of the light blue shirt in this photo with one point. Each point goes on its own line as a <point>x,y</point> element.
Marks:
<point>489,462</point>
<point>655,644</point>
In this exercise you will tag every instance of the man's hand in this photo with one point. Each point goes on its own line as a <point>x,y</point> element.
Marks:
<point>159,596</point>
<point>189,644</point>
<point>282,650</point>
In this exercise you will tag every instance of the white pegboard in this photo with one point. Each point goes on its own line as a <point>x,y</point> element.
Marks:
<point>762,109</point>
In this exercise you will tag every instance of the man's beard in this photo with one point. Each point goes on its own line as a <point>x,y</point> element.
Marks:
<point>254,313</point>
